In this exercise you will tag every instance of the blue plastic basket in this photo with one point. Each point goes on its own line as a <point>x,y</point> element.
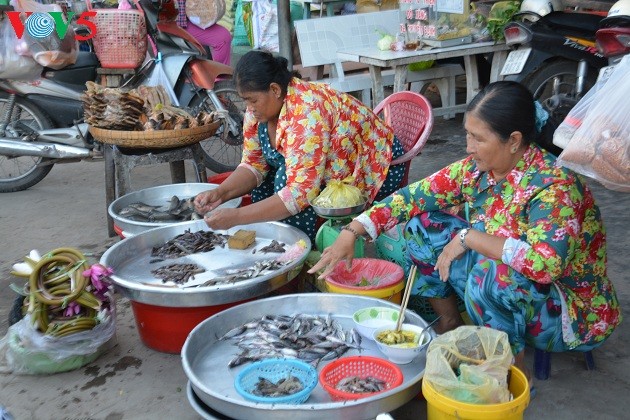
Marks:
<point>274,370</point>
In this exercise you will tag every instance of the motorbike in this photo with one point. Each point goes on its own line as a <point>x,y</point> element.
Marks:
<point>41,120</point>
<point>554,55</point>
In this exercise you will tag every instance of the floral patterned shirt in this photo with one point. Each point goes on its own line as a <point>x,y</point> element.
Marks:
<point>323,134</point>
<point>555,231</point>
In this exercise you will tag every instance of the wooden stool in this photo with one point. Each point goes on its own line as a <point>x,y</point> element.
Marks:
<point>542,363</point>
<point>120,161</point>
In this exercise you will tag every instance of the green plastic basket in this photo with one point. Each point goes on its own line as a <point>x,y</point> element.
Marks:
<point>391,246</point>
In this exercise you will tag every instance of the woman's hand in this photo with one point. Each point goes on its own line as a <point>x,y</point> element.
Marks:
<point>451,252</point>
<point>342,248</point>
<point>208,201</point>
<point>221,219</point>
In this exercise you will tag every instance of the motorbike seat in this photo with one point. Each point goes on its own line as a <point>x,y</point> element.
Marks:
<point>577,24</point>
<point>84,59</point>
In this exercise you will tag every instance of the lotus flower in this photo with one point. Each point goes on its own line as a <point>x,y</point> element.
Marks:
<point>24,269</point>
<point>97,274</point>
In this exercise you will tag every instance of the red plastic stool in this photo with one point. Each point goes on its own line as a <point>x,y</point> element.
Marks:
<point>542,363</point>
<point>246,200</point>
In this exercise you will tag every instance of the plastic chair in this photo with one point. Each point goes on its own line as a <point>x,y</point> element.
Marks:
<point>411,116</point>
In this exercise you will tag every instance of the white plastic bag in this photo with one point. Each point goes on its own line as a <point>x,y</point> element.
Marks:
<point>24,350</point>
<point>600,147</point>
<point>576,115</point>
<point>49,51</point>
<point>265,25</point>
<point>158,77</point>
<point>14,65</point>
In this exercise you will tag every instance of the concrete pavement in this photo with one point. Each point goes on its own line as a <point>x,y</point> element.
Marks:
<point>134,382</point>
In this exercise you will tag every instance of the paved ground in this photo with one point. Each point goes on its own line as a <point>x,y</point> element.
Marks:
<point>133,382</point>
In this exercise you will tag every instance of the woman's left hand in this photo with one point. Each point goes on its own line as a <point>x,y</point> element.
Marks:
<point>451,252</point>
<point>221,219</point>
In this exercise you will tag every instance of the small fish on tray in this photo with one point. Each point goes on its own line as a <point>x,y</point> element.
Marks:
<point>285,386</point>
<point>274,246</point>
<point>177,210</point>
<point>309,338</point>
<point>359,385</point>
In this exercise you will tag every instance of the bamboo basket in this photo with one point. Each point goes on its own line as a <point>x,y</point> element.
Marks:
<point>156,139</point>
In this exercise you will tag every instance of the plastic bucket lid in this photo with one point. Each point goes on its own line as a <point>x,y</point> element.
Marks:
<point>440,407</point>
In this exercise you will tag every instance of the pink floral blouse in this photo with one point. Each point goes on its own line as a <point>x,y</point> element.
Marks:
<point>323,134</point>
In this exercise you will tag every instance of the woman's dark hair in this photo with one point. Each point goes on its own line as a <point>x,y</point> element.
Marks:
<point>257,70</point>
<point>508,106</point>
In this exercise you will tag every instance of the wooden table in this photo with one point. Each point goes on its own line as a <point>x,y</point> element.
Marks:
<point>377,60</point>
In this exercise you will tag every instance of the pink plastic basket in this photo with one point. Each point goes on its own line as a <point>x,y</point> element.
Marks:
<point>120,41</point>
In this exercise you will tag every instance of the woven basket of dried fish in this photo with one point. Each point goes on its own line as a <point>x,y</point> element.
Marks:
<point>155,139</point>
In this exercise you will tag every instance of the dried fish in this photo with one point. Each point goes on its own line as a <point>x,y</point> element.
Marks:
<point>178,273</point>
<point>274,246</point>
<point>189,243</point>
<point>306,337</point>
<point>359,385</point>
<point>285,386</point>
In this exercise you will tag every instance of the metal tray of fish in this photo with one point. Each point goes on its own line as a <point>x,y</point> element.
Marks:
<point>205,360</point>
<point>158,200</point>
<point>131,261</point>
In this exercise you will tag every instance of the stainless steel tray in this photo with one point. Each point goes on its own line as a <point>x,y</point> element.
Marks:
<point>158,196</point>
<point>132,276</point>
<point>205,360</point>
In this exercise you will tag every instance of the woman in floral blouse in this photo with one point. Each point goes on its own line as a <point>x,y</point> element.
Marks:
<point>528,257</point>
<point>299,135</point>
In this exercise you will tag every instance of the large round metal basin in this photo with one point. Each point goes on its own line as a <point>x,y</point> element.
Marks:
<point>158,196</point>
<point>132,263</point>
<point>205,360</point>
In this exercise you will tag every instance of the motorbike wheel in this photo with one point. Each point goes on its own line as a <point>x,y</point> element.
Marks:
<point>18,173</point>
<point>223,151</point>
<point>540,83</point>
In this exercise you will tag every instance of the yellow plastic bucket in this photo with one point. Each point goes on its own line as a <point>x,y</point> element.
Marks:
<point>392,293</point>
<point>440,407</point>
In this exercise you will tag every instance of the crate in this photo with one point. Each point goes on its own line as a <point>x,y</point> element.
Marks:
<point>391,246</point>
<point>120,40</point>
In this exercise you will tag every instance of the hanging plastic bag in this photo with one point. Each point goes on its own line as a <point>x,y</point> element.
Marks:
<point>205,13</point>
<point>51,50</point>
<point>264,22</point>
<point>339,194</point>
<point>470,364</point>
<point>13,64</point>
<point>576,115</point>
<point>158,77</point>
<point>600,147</point>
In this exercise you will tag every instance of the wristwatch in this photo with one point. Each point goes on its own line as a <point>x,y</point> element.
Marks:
<point>462,238</point>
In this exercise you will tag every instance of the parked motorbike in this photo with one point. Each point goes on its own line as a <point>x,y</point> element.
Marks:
<point>41,120</point>
<point>553,54</point>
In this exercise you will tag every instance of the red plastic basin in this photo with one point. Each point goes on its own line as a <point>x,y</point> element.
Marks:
<point>165,329</point>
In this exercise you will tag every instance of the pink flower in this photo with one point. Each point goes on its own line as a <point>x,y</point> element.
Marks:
<point>97,274</point>
<point>73,308</point>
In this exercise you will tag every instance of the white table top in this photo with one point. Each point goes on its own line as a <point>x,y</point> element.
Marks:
<point>390,58</point>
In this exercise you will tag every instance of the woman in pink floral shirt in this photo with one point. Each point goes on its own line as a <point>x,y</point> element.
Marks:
<point>529,255</point>
<point>298,136</point>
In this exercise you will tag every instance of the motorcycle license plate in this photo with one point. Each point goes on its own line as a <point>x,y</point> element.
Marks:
<point>515,61</point>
